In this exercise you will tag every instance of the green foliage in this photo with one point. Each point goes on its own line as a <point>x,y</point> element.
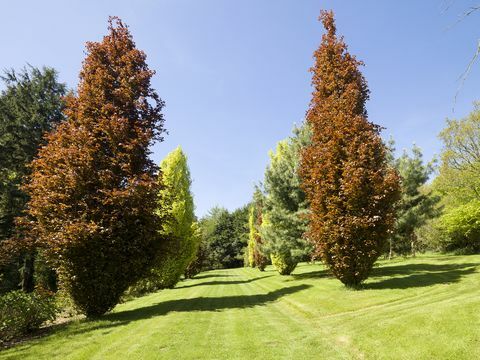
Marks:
<point>45,276</point>
<point>224,237</point>
<point>179,240</point>
<point>256,256</point>
<point>251,237</point>
<point>30,106</point>
<point>462,226</point>
<point>459,184</point>
<point>198,263</point>
<point>285,206</point>
<point>458,179</point>
<point>417,204</point>
<point>22,313</point>
<point>284,263</point>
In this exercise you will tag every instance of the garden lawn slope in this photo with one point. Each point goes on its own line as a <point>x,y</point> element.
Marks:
<point>422,308</point>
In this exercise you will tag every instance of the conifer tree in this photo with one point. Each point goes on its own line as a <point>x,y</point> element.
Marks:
<point>350,187</point>
<point>285,207</point>
<point>417,204</point>
<point>93,189</point>
<point>30,106</point>
<point>177,207</point>
<point>256,258</point>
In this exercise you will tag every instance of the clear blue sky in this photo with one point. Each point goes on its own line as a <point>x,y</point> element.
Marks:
<point>234,74</point>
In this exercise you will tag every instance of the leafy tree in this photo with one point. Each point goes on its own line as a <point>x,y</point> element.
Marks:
<point>458,181</point>
<point>350,187</point>
<point>177,207</point>
<point>251,237</point>
<point>462,227</point>
<point>199,261</point>
<point>224,237</point>
<point>256,257</point>
<point>459,185</point>
<point>417,204</point>
<point>285,206</point>
<point>93,189</point>
<point>30,106</point>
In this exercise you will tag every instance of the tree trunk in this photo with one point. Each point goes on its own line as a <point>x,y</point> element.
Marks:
<point>27,272</point>
<point>412,244</point>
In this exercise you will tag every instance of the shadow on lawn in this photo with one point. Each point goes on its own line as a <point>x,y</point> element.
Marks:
<point>312,275</point>
<point>419,275</point>
<point>206,276</point>
<point>225,282</point>
<point>184,305</point>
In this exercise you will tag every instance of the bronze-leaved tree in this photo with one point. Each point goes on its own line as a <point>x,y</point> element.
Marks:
<point>350,187</point>
<point>93,189</point>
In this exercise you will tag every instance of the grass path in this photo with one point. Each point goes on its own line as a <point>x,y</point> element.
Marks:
<point>423,308</point>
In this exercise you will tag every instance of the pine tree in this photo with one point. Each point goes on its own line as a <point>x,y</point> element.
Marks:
<point>417,204</point>
<point>348,182</point>
<point>285,206</point>
<point>30,106</point>
<point>93,189</point>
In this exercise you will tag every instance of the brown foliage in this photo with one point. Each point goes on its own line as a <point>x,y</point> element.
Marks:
<point>93,187</point>
<point>345,174</point>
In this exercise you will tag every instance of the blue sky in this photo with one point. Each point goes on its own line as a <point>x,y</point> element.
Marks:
<point>234,74</point>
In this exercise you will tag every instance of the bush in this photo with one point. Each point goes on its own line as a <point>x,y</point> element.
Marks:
<point>22,313</point>
<point>284,264</point>
<point>462,227</point>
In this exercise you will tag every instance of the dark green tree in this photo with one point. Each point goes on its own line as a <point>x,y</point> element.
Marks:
<point>31,105</point>
<point>224,237</point>
<point>417,204</point>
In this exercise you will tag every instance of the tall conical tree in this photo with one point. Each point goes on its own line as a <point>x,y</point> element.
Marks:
<point>285,206</point>
<point>177,207</point>
<point>93,189</point>
<point>256,257</point>
<point>350,186</point>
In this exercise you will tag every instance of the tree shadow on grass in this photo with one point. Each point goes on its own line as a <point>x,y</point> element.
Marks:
<point>312,275</point>
<point>206,276</point>
<point>419,275</point>
<point>226,282</point>
<point>182,305</point>
<point>203,304</point>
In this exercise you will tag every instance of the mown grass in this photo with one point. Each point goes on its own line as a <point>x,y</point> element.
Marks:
<point>422,308</point>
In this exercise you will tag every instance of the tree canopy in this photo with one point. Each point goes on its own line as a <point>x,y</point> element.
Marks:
<point>346,176</point>
<point>93,189</point>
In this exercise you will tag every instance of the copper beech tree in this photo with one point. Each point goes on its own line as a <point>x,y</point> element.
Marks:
<point>350,186</point>
<point>93,189</point>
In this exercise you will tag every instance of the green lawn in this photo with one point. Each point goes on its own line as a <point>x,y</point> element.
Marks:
<point>423,308</point>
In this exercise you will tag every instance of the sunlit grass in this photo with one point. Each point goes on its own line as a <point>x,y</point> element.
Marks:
<point>422,308</point>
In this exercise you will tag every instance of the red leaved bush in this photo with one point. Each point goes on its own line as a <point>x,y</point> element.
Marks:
<point>350,187</point>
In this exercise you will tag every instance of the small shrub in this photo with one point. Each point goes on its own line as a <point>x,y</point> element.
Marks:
<point>284,264</point>
<point>65,305</point>
<point>22,313</point>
